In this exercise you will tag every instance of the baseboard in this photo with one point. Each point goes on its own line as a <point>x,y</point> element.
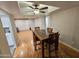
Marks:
<point>71,51</point>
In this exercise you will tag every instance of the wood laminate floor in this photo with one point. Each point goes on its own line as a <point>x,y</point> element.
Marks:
<point>26,49</point>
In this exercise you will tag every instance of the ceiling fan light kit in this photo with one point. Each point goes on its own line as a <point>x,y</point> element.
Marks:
<point>38,10</point>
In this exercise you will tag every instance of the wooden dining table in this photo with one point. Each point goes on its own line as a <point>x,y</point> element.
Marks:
<point>42,36</point>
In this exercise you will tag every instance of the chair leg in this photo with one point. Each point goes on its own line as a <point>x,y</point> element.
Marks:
<point>56,49</point>
<point>49,50</point>
<point>35,47</point>
<point>56,53</point>
<point>56,46</point>
<point>43,49</point>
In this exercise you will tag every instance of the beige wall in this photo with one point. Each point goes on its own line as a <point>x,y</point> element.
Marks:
<point>67,24</point>
<point>4,49</point>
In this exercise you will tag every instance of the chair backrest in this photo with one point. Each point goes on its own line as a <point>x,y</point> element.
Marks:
<point>17,29</point>
<point>54,37</point>
<point>51,38</point>
<point>30,28</point>
<point>37,28</point>
<point>49,30</point>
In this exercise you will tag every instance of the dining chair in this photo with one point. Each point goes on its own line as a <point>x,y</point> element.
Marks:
<point>51,44</point>
<point>17,29</point>
<point>36,42</point>
<point>37,28</point>
<point>49,30</point>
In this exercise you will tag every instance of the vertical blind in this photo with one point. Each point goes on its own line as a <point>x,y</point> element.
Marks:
<point>26,24</point>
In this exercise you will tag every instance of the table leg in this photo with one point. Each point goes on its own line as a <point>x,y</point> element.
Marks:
<point>42,49</point>
<point>56,46</point>
<point>49,50</point>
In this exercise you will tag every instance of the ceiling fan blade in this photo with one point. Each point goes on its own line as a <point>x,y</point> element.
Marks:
<point>31,7</point>
<point>42,11</point>
<point>43,8</point>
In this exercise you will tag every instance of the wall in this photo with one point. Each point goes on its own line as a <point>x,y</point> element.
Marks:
<point>48,21</point>
<point>76,30</point>
<point>40,22</point>
<point>67,24</point>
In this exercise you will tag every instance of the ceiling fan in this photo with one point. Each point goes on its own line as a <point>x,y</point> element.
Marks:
<point>37,9</point>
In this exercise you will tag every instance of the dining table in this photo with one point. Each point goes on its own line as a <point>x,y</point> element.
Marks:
<point>42,36</point>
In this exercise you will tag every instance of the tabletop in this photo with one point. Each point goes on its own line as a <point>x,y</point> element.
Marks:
<point>41,34</point>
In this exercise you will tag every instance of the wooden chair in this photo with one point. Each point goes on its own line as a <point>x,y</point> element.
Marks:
<point>52,43</point>
<point>30,28</point>
<point>36,41</point>
<point>49,30</point>
<point>17,29</point>
<point>37,28</point>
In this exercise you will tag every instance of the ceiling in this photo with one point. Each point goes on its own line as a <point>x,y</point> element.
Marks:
<point>26,10</point>
<point>13,8</point>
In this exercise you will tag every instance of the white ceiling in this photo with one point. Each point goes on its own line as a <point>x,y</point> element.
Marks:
<point>12,6</point>
<point>26,10</point>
